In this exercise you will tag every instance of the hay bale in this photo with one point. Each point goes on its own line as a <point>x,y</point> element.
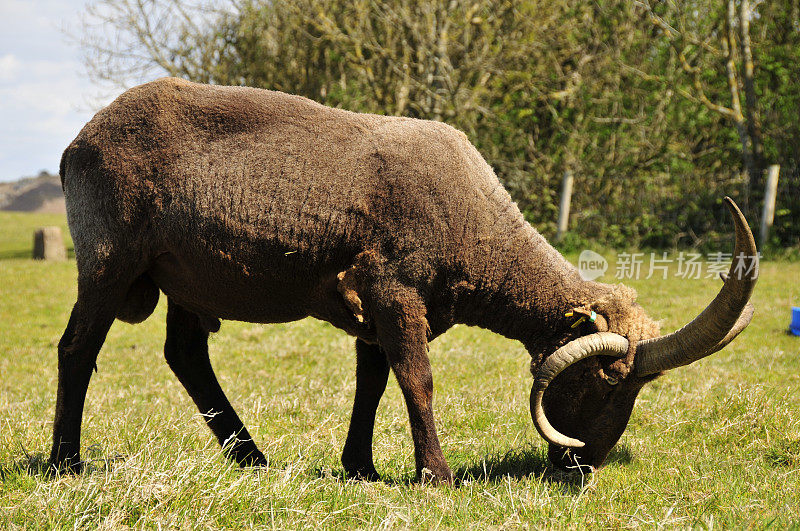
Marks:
<point>48,244</point>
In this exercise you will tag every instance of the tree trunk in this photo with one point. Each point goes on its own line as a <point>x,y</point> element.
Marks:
<point>566,198</point>
<point>750,111</point>
<point>729,46</point>
<point>768,213</point>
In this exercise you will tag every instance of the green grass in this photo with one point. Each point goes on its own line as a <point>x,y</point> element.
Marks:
<point>714,444</point>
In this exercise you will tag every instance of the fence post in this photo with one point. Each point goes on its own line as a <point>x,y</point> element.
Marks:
<point>563,212</point>
<point>770,195</point>
<point>48,244</point>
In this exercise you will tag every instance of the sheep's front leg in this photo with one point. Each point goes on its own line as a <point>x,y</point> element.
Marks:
<point>372,373</point>
<point>186,351</point>
<point>403,335</point>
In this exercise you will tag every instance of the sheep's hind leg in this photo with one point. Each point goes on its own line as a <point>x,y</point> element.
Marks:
<point>78,348</point>
<point>186,352</point>
<point>372,373</point>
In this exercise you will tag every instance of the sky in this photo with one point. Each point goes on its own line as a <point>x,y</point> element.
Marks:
<point>45,96</point>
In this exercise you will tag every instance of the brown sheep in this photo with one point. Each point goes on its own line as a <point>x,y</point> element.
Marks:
<point>260,206</point>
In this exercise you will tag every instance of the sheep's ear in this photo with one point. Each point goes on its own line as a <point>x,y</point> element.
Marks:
<point>590,320</point>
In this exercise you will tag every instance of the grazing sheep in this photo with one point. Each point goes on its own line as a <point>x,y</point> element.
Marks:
<point>259,206</point>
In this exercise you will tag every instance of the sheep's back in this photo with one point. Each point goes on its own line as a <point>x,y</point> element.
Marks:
<point>258,176</point>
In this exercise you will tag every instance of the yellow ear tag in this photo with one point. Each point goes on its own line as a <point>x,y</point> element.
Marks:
<point>592,318</point>
<point>579,321</point>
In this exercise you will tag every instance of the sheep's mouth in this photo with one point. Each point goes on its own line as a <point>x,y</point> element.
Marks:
<point>569,460</point>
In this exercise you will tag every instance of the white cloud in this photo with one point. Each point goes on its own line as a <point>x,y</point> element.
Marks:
<point>40,114</point>
<point>9,65</point>
<point>45,86</point>
<point>44,96</point>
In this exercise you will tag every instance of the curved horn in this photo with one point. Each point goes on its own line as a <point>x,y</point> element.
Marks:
<point>599,344</point>
<point>719,323</point>
<point>741,323</point>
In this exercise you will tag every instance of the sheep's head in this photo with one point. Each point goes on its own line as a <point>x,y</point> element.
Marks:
<point>591,402</point>
<point>583,393</point>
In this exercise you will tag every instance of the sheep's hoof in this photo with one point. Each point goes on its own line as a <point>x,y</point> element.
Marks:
<point>253,458</point>
<point>362,473</point>
<point>69,465</point>
<point>442,474</point>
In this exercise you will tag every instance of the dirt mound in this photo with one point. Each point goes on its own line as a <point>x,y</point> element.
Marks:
<point>33,194</point>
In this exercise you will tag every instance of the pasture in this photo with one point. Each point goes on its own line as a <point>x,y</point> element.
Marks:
<point>713,444</point>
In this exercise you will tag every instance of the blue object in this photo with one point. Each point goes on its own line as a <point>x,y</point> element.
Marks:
<point>795,326</point>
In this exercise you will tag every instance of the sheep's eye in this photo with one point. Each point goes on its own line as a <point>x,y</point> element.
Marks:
<point>611,380</point>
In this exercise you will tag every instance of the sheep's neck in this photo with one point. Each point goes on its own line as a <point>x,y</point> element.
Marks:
<point>521,288</point>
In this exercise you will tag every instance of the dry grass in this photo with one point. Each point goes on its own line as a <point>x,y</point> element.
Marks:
<point>716,444</point>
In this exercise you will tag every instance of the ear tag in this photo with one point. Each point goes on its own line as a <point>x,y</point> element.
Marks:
<point>592,318</point>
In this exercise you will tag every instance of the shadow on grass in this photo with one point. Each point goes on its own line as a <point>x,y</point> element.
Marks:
<point>520,464</point>
<point>515,464</point>
<point>339,475</point>
<point>620,455</point>
<point>16,254</point>
<point>32,465</point>
<point>36,465</point>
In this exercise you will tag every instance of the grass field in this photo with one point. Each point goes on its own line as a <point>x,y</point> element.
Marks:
<point>716,444</point>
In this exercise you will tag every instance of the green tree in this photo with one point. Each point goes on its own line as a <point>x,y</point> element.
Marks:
<point>652,106</point>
